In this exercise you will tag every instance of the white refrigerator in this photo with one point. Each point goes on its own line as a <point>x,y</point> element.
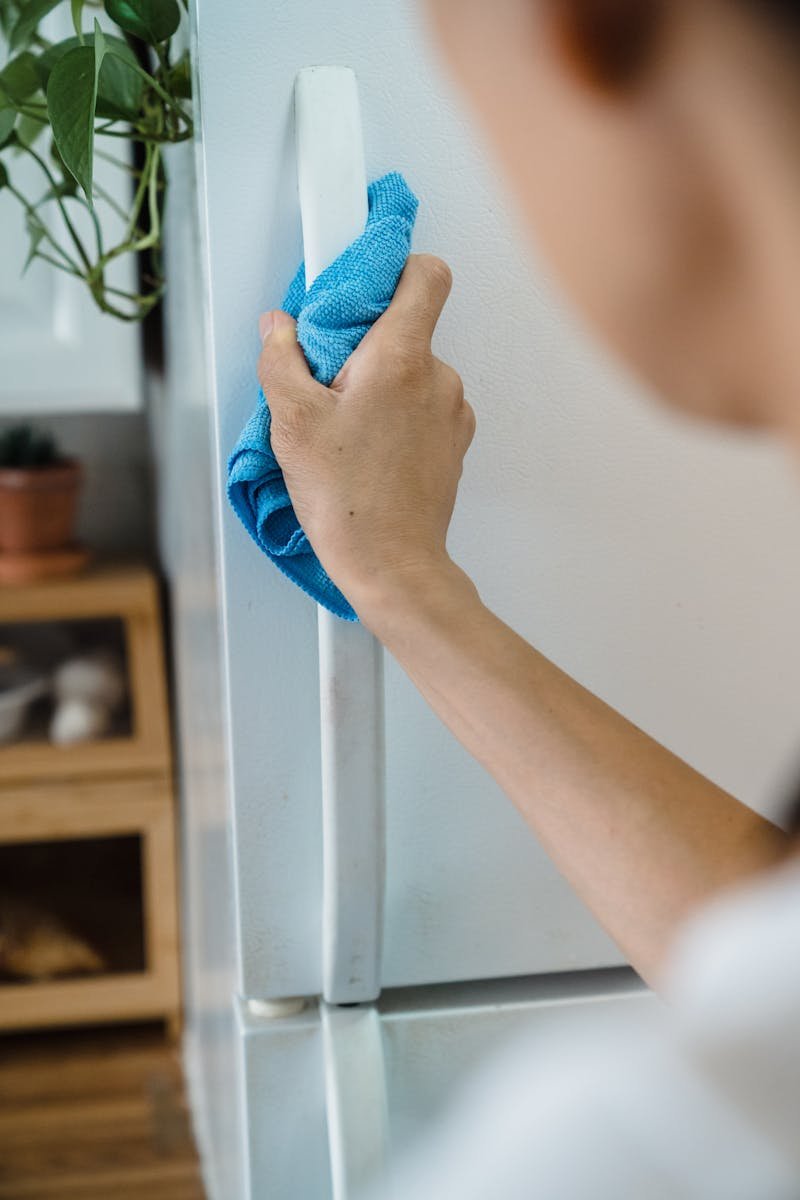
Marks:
<point>626,545</point>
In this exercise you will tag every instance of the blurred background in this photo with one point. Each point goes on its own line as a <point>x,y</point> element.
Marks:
<point>91,1087</point>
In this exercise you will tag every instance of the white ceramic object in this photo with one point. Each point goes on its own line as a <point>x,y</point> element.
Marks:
<point>78,720</point>
<point>94,677</point>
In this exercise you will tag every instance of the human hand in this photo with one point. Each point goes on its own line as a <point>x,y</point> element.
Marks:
<point>372,463</point>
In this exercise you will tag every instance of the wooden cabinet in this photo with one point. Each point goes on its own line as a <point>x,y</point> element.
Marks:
<point>96,795</point>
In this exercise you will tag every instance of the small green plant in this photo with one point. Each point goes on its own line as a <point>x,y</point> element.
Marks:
<point>25,446</point>
<point>84,92</point>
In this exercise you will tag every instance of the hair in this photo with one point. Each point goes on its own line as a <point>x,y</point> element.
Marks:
<point>612,42</point>
<point>785,12</point>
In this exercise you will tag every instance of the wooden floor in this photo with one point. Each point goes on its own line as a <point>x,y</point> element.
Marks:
<point>92,1115</point>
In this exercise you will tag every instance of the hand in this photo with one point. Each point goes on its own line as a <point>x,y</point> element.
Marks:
<point>372,463</point>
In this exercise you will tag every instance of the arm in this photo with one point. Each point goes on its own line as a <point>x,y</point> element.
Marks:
<point>641,836</point>
<point>372,465</point>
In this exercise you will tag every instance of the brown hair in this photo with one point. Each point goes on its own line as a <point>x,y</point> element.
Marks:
<point>787,12</point>
<point>612,42</point>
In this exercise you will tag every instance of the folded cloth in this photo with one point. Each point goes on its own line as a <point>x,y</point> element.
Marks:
<point>332,317</point>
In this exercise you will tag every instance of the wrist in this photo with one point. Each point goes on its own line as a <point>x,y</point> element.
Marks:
<point>390,601</point>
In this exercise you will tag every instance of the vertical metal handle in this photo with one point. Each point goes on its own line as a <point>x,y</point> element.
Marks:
<point>333,205</point>
<point>355,1095</point>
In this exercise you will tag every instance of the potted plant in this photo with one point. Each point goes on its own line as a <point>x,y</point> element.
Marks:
<point>116,89</point>
<point>39,492</point>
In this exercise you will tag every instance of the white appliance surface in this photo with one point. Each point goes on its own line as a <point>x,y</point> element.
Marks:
<point>654,560</point>
<point>188,506</point>
<point>424,1049</point>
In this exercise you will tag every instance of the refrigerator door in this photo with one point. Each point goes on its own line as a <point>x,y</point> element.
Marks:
<point>627,546</point>
<point>334,1098</point>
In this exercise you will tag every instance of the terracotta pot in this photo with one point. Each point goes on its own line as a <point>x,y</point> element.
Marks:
<point>37,506</point>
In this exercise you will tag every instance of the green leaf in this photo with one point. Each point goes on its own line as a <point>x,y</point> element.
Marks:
<point>26,24</point>
<point>119,90</point>
<point>29,129</point>
<point>3,177</point>
<point>8,15</point>
<point>66,186</point>
<point>151,20</point>
<point>19,78</point>
<point>71,104</point>
<point>7,118</point>
<point>77,13</point>
<point>36,231</point>
<point>179,77</point>
<point>99,48</point>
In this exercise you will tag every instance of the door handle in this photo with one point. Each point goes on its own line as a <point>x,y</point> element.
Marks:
<point>355,1098</point>
<point>333,206</point>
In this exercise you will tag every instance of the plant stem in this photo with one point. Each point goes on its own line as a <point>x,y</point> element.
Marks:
<point>73,233</point>
<point>31,212</point>
<point>102,194</point>
<point>60,265</point>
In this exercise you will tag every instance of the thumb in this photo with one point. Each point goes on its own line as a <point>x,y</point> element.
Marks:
<point>282,368</point>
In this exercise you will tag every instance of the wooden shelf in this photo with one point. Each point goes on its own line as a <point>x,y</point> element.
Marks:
<point>100,809</point>
<point>89,808</point>
<point>105,590</point>
<point>128,594</point>
<point>115,787</point>
<point>94,999</point>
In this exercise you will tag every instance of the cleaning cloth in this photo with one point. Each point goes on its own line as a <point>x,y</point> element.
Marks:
<point>332,316</point>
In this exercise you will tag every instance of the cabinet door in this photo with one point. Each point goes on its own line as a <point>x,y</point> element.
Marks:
<point>58,352</point>
<point>654,561</point>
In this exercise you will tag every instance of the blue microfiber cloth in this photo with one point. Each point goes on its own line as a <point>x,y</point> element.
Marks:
<point>332,317</point>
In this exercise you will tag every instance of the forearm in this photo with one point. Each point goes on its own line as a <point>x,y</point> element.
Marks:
<point>641,836</point>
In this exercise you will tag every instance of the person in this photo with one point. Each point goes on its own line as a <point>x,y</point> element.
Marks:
<point>681,120</point>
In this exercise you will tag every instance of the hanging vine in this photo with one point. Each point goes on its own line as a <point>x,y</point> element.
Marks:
<point>116,94</point>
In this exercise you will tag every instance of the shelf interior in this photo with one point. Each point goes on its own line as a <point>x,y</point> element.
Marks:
<point>89,889</point>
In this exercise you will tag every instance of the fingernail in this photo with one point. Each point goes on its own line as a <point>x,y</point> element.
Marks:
<point>265,323</point>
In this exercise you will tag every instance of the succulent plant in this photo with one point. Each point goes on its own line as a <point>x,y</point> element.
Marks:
<point>25,446</point>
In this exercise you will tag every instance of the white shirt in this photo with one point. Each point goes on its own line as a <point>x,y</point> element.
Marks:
<point>698,1100</point>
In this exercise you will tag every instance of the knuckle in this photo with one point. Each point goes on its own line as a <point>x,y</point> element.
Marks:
<point>407,360</point>
<point>272,375</point>
<point>455,386</point>
<point>451,384</point>
<point>437,272</point>
<point>269,369</point>
<point>275,362</point>
<point>470,421</point>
